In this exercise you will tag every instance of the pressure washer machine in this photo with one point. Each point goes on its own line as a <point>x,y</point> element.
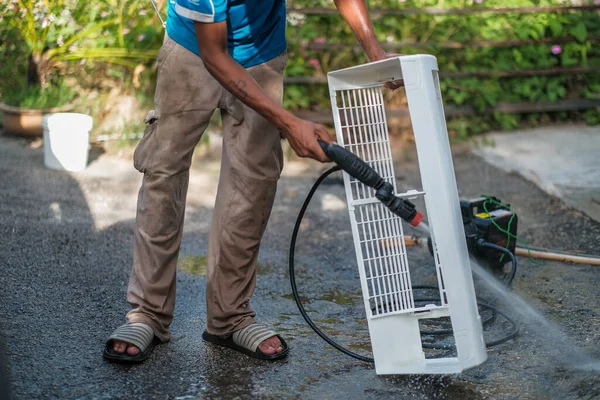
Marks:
<point>487,219</point>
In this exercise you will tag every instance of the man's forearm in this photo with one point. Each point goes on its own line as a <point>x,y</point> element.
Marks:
<point>356,15</point>
<point>212,44</point>
<point>302,135</point>
<point>236,79</point>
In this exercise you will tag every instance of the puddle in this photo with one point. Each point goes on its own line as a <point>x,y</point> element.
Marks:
<point>341,298</point>
<point>264,268</point>
<point>330,321</point>
<point>360,346</point>
<point>197,264</point>
<point>194,264</point>
<point>290,296</point>
<point>302,388</point>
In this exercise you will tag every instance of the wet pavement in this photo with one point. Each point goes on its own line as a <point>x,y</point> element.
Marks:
<point>65,256</point>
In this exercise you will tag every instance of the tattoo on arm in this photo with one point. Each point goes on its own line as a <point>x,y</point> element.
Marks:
<point>238,88</point>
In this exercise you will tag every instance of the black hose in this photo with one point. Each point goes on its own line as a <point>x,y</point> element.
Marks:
<point>513,259</point>
<point>441,332</point>
<point>293,274</point>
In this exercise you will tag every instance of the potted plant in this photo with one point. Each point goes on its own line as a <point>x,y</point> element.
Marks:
<point>23,109</point>
<point>40,40</point>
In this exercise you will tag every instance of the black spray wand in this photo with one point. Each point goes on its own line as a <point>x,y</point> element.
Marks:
<point>384,191</point>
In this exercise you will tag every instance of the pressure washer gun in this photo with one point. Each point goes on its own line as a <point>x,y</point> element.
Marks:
<point>384,191</point>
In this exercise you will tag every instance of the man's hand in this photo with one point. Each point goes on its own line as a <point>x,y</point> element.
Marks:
<point>356,14</point>
<point>393,85</point>
<point>302,135</point>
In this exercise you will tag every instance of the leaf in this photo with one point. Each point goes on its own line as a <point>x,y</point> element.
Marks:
<point>490,97</point>
<point>579,32</point>
<point>556,27</point>
<point>534,33</point>
<point>522,31</point>
<point>568,61</point>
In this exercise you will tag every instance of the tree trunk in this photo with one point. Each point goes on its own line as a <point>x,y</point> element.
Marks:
<point>33,71</point>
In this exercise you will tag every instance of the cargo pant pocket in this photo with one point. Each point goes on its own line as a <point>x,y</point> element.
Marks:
<point>144,149</point>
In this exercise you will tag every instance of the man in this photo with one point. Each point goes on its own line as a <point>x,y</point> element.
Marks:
<point>228,55</point>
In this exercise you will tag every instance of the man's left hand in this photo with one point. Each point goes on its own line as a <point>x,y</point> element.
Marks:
<point>392,85</point>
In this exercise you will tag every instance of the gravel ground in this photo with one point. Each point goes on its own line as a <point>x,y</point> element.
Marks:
<point>65,256</point>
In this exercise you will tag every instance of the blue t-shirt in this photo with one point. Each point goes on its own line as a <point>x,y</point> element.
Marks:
<point>255,28</point>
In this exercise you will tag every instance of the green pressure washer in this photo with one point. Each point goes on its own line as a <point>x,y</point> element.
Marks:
<point>490,232</point>
<point>487,219</point>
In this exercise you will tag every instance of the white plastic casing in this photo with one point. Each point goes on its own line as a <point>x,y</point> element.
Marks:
<point>360,122</point>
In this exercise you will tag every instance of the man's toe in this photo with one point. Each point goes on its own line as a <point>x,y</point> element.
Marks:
<point>132,350</point>
<point>119,347</point>
<point>271,345</point>
<point>266,348</point>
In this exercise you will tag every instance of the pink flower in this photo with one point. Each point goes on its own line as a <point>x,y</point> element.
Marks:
<point>143,12</point>
<point>596,1</point>
<point>103,14</point>
<point>556,49</point>
<point>141,37</point>
<point>314,62</point>
<point>319,40</point>
<point>478,1</point>
<point>125,31</point>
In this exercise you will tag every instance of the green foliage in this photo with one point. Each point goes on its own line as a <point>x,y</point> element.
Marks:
<point>44,39</point>
<point>591,116</point>
<point>37,97</point>
<point>480,93</point>
<point>99,46</point>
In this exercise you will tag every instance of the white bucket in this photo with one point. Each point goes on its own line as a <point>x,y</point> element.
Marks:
<point>66,141</point>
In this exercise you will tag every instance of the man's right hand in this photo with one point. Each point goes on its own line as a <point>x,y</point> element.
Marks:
<point>303,136</point>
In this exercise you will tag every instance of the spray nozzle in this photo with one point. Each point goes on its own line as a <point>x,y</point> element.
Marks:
<point>384,191</point>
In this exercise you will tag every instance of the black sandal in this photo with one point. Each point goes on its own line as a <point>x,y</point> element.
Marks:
<point>137,334</point>
<point>247,340</point>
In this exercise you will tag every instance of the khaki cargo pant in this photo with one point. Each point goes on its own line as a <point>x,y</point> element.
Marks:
<point>186,97</point>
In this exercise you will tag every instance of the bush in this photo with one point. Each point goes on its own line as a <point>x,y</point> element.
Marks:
<point>45,42</point>
<point>101,46</point>
<point>40,98</point>
<point>480,93</point>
